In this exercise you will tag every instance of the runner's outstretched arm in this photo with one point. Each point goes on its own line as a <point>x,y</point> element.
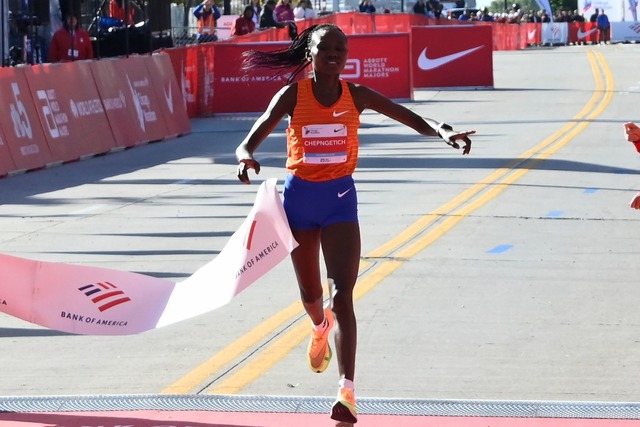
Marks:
<point>365,97</point>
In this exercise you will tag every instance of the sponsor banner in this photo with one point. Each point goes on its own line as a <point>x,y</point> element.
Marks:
<point>555,33</point>
<point>142,102</point>
<point>178,58</point>
<point>70,109</point>
<point>118,103</point>
<point>531,33</point>
<point>452,56</point>
<point>236,91</point>
<point>23,132</point>
<point>583,32</point>
<point>200,74</point>
<point>97,301</point>
<point>381,62</point>
<point>6,163</point>
<point>625,31</point>
<point>173,108</point>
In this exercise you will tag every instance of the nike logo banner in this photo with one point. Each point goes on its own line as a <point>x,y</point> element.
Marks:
<point>452,56</point>
<point>89,300</point>
<point>426,63</point>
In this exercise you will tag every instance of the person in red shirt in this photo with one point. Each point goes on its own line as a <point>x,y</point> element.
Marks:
<point>244,24</point>
<point>70,43</point>
<point>117,10</point>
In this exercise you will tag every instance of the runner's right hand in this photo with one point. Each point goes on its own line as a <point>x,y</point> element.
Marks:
<point>243,168</point>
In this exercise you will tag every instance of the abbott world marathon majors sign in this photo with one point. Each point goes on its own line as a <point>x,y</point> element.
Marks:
<point>452,56</point>
<point>381,62</point>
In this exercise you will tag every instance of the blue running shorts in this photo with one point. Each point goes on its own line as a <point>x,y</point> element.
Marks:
<point>310,204</point>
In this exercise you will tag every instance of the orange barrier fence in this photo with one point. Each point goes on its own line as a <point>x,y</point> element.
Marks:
<point>55,113</point>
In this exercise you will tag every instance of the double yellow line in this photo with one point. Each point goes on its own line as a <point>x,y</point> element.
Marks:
<point>381,262</point>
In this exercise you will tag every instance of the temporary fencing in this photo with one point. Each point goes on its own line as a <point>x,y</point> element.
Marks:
<point>56,113</point>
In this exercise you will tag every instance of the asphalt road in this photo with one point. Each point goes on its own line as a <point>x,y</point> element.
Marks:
<point>507,274</point>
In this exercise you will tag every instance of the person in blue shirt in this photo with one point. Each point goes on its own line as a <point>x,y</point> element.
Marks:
<point>207,13</point>
<point>602,22</point>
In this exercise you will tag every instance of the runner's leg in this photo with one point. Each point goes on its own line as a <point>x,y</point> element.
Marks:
<point>306,263</point>
<point>341,248</point>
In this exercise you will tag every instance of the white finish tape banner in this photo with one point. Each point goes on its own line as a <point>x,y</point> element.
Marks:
<point>97,301</point>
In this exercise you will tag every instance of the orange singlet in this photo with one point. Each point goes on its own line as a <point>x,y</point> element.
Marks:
<point>322,142</point>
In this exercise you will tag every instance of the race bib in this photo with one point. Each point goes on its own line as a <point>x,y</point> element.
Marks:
<point>324,144</point>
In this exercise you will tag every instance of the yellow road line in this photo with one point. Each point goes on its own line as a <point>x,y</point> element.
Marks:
<point>457,208</point>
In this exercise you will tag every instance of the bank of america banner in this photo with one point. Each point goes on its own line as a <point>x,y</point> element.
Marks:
<point>96,301</point>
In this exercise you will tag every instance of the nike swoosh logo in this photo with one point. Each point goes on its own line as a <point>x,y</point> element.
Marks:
<point>168,96</point>
<point>426,64</point>
<point>341,195</point>
<point>335,114</point>
<point>583,34</point>
<point>531,34</point>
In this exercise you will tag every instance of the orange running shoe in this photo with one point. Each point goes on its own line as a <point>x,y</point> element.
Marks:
<point>344,408</point>
<point>319,352</point>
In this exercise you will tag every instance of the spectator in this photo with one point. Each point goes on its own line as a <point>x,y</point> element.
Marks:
<point>603,27</point>
<point>465,15</point>
<point>420,8</point>
<point>486,15</point>
<point>564,16</point>
<point>594,17</point>
<point>257,10</point>
<point>304,10</point>
<point>70,43</point>
<point>576,17</point>
<point>267,19</point>
<point>244,23</point>
<point>545,17</point>
<point>117,10</point>
<point>284,12</point>
<point>366,6</point>
<point>435,9</point>
<point>207,13</point>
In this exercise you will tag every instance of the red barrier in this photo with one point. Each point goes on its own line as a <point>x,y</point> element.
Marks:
<point>452,56</point>
<point>505,36</point>
<point>236,91</point>
<point>143,104</point>
<point>118,102</point>
<point>19,121</point>
<point>380,61</point>
<point>180,66</point>
<point>200,63</point>
<point>583,32</point>
<point>530,34</point>
<point>6,163</point>
<point>70,110</point>
<point>173,108</point>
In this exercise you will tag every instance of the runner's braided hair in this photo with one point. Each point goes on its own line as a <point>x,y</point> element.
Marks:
<point>296,55</point>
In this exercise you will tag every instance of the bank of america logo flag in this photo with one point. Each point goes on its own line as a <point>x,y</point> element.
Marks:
<point>587,5</point>
<point>105,294</point>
